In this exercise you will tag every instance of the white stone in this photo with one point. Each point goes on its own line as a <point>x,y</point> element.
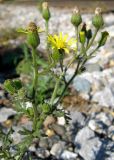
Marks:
<point>104,98</point>
<point>68,155</point>
<point>57,149</point>
<point>61,121</point>
<point>5,113</point>
<point>87,144</point>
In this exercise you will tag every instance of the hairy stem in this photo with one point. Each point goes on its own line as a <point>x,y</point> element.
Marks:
<point>35,80</point>
<point>77,38</point>
<point>55,90</point>
<point>47,43</point>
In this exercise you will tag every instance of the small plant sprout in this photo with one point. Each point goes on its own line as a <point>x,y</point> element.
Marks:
<point>80,49</point>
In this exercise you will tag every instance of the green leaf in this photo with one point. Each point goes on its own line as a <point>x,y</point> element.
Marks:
<point>46,108</point>
<point>21,30</point>
<point>104,36</point>
<point>25,131</point>
<point>9,87</point>
<point>17,84</point>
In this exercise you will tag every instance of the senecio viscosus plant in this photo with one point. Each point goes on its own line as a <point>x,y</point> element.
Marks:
<point>80,49</point>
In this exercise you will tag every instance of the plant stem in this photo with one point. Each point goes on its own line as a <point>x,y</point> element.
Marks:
<point>76,30</point>
<point>47,43</point>
<point>66,86</point>
<point>55,90</point>
<point>35,80</point>
<point>92,40</point>
<point>35,70</point>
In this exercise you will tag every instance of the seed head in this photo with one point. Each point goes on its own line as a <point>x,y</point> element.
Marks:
<point>32,27</point>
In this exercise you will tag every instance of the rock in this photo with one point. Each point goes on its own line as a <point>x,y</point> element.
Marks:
<point>111,132</point>
<point>84,95</point>
<point>100,122</point>
<point>60,130</point>
<point>61,121</point>
<point>52,140</point>
<point>81,85</point>
<point>2,94</point>
<point>49,120</point>
<point>17,138</point>
<point>50,132</point>
<point>104,98</point>
<point>43,143</point>
<point>5,113</point>
<point>106,118</point>
<point>98,126</point>
<point>87,145</point>
<point>42,153</point>
<point>109,19</point>
<point>57,149</point>
<point>77,118</point>
<point>67,155</point>
<point>93,67</point>
<point>32,148</point>
<point>106,150</point>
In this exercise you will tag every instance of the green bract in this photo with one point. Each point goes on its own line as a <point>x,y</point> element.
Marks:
<point>45,11</point>
<point>33,39</point>
<point>97,20</point>
<point>76,18</point>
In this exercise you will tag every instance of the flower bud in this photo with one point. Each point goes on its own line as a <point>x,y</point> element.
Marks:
<point>76,18</point>
<point>33,39</point>
<point>98,21</point>
<point>82,37</point>
<point>45,11</point>
<point>89,34</point>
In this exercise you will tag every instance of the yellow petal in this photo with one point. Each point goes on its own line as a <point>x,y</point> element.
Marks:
<point>66,50</point>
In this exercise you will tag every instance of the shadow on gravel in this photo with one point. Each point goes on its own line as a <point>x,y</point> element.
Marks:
<point>9,59</point>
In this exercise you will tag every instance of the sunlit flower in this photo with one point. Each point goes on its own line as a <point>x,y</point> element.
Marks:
<point>61,42</point>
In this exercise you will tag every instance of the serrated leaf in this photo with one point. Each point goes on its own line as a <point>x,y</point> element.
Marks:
<point>104,36</point>
<point>9,87</point>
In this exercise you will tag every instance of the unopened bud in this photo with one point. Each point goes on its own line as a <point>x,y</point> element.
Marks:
<point>76,18</point>
<point>89,34</point>
<point>33,39</point>
<point>98,21</point>
<point>45,11</point>
<point>82,37</point>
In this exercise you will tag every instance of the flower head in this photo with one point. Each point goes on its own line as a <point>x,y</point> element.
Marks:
<point>61,42</point>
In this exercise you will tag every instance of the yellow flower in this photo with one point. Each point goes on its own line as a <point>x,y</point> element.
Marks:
<point>62,42</point>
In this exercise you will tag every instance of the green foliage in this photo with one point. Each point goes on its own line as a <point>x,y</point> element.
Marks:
<point>104,36</point>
